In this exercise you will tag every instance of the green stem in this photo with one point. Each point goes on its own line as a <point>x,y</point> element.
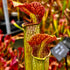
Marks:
<point>55,26</point>
<point>64,6</point>
<point>62,28</point>
<point>16,25</point>
<point>68,31</point>
<point>69,4</point>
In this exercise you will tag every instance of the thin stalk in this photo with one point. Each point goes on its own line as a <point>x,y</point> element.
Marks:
<point>69,4</point>
<point>64,6</point>
<point>44,19</point>
<point>18,17</point>
<point>64,31</point>
<point>62,28</point>
<point>16,25</point>
<point>68,31</point>
<point>55,26</point>
<point>50,29</point>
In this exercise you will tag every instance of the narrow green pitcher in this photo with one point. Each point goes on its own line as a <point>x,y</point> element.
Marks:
<point>29,30</point>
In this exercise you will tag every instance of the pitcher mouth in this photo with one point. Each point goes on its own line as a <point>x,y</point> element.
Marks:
<point>38,58</point>
<point>28,24</point>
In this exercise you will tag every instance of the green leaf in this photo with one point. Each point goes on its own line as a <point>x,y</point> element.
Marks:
<point>68,31</point>
<point>69,4</point>
<point>64,6</point>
